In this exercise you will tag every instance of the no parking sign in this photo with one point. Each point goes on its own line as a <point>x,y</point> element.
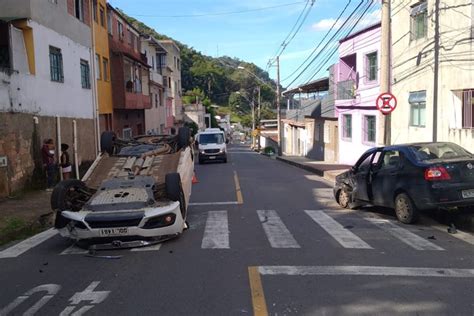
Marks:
<point>386,103</point>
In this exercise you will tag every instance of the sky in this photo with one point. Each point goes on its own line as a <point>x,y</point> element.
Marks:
<point>255,33</point>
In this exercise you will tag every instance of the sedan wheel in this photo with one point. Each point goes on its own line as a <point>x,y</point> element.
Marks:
<point>405,209</point>
<point>343,198</point>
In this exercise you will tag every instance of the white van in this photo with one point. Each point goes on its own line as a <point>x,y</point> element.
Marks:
<point>211,145</point>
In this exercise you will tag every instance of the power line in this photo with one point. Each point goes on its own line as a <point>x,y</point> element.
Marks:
<point>320,42</point>
<point>218,13</point>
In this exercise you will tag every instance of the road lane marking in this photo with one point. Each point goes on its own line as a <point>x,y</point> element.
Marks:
<point>240,199</point>
<point>404,235</point>
<point>278,235</point>
<point>27,244</point>
<point>155,247</point>
<point>469,238</point>
<point>256,289</point>
<point>367,270</point>
<point>343,236</point>
<point>216,233</point>
<point>50,289</point>
<point>214,203</point>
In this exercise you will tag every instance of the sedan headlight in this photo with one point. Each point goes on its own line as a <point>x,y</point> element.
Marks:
<point>202,152</point>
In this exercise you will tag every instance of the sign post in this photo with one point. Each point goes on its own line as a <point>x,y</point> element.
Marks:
<point>386,103</point>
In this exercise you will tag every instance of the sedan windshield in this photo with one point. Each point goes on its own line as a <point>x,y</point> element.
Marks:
<point>439,151</point>
<point>205,139</point>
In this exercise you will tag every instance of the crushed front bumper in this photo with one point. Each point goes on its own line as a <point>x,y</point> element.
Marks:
<point>150,222</point>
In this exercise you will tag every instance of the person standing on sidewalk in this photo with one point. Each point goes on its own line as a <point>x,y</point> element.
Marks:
<point>66,167</point>
<point>47,153</point>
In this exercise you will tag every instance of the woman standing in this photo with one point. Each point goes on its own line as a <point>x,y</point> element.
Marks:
<point>66,167</point>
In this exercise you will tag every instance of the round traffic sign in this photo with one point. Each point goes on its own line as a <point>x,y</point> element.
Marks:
<point>386,103</point>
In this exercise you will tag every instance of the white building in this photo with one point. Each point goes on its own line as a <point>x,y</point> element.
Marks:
<point>155,118</point>
<point>195,113</point>
<point>45,85</point>
<point>413,73</point>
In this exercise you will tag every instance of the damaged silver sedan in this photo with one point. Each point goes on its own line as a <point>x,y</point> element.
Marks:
<point>135,193</point>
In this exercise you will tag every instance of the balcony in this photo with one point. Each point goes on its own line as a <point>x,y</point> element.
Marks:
<point>156,77</point>
<point>345,90</point>
<point>137,101</point>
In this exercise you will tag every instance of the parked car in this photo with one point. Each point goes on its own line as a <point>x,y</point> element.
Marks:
<point>211,145</point>
<point>409,178</point>
<point>135,193</point>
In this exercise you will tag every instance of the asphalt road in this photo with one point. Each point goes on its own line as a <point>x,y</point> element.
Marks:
<point>264,238</point>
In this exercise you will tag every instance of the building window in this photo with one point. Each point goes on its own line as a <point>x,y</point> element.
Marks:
<point>105,63</point>
<point>109,23</point>
<point>417,102</point>
<point>347,126</point>
<point>179,62</point>
<point>419,20</point>
<point>85,74</point>
<point>468,109</point>
<point>131,39</point>
<point>94,9</point>
<point>169,82</point>
<point>369,128</point>
<point>162,61</point>
<point>56,64</point>
<point>156,100</point>
<point>102,16</point>
<point>120,30</point>
<point>98,72</point>
<point>79,9</point>
<point>372,67</point>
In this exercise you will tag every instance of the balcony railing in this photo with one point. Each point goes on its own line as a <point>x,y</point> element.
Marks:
<point>345,90</point>
<point>137,101</point>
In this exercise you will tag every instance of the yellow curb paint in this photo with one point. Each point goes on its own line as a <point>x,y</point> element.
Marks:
<point>258,297</point>
<point>240,199</point>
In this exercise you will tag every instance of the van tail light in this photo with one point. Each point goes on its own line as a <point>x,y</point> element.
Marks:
<point>436,174</point>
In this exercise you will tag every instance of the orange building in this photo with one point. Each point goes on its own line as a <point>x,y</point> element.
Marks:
<point>101,28</point>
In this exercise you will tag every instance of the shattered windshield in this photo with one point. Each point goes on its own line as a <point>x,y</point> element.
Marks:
<point>439,151</point>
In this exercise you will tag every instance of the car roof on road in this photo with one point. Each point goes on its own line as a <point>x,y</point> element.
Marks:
<point>397,146</point>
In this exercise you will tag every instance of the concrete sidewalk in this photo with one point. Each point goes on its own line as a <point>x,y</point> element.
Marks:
<point>327,170</point>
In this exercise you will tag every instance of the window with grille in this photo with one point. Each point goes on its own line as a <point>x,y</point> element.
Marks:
<point>79,9</point>
<point>419,20</point>
<point>369,128</point>
<point>56,64</point>
<point>347,126</point>
<point>94,9</point>
<point>102,16</point>
<point>417,101</point>
<point>468,108</point>
<point>85,74</point>
<point>372,67</point>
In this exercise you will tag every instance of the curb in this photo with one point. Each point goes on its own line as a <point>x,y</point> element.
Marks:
<point>308,168</point>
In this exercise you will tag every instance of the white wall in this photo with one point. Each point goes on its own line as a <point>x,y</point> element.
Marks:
<point>351,150</point>
<point>37,93</point>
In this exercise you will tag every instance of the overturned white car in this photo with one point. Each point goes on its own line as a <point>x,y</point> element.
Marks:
<point>135,193</point>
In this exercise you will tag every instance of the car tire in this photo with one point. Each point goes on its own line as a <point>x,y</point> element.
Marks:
<point>174,191</point>
<point>107,142</point>
<point>184,135</point>
<point>343,198</point>
<point>62,199</point>
<point>405,209</point>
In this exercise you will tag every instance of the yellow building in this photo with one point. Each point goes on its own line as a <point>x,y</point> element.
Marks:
<point>101,27</point>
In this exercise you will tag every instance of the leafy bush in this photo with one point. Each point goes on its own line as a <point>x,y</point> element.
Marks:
<point>269,150</point>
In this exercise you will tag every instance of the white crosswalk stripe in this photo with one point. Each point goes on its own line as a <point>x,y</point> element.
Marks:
<point>343,236</point>
<point>278,235</point>
<point>404,235</point>
<point>216,233</point>
<point>27,244</point>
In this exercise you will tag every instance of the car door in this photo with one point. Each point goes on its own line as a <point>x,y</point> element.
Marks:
<point>361,177</point>
<point>384,177</point>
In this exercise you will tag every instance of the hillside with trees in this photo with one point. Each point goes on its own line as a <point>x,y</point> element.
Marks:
<point>216,81</point>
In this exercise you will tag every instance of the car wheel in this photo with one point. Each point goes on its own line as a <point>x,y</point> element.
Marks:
<point>405,209</point>
<point>65,196</point>
<point>343,198</point>
<point>184,135</point>
<point>107,142</point>
<point>174,191</point>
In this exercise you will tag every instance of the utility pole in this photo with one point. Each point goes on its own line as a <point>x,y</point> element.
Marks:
<point>385,81</point>
<point>259,117</point>
<point>278,106</point>
<point>253,122</point>
<point>436,73</point>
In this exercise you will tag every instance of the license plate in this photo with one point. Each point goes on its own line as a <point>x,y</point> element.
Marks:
<point>212,157</point>
<point>467,194</point>
<point>119,231</point>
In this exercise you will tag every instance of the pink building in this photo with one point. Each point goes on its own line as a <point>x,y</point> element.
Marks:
<point>356,79</point>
